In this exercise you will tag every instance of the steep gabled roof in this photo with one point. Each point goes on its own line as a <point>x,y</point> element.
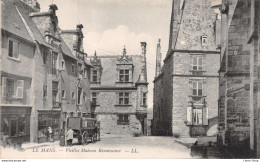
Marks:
<point>11,20</point>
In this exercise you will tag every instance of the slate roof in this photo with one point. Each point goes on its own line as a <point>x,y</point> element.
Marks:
<point>109,66</point>
<point>65,49</point>
<point>11,20</point>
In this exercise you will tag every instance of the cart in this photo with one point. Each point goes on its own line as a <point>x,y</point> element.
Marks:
<point>85,129</point>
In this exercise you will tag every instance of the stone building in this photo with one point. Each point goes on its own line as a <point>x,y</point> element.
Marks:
<point>186,87</point>
<point>34,61</point>
<point>239,77</point>
<point>119,92</point>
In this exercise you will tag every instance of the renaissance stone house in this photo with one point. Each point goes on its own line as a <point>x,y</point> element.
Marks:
<point>186,87</point>
<point>35,62</point>
<point>119,92</point>
<point>239,123</point>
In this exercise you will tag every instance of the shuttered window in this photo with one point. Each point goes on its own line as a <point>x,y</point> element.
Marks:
<point>13,50</point>
<point>12,88</point>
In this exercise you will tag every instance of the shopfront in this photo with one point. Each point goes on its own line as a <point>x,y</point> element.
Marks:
<point>15,124</point>
<point>46,119</point>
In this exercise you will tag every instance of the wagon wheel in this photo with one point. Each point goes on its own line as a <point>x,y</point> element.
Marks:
<point>85,138</point>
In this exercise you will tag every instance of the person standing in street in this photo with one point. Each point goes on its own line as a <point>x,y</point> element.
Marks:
<point>69,136</point>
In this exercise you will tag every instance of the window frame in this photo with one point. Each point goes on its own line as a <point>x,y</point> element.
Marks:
<point>44,91</point>
<point>199,67</point>
<point>94,75</point>
<point>62,65</point>
<point>144,99</point>
<point>204,38</point>
<point>18,50</point>
<point>73,68</point>
<point>123,119</point>
<point>94,97</point>
<point>124,98</point>
<point>16,87</point>
<point>124,75</point>
<point>73,95</point>
<point>194,116</point>
<point>63,96</point>
<point>197,88</point>
<point>79,101</point>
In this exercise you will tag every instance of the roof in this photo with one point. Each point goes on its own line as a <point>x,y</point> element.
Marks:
<point>11,20</point>
<point>109,66</point>
<point>65,49</point>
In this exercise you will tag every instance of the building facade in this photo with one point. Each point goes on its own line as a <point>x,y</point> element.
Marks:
<point>35,63</point>
<point>119,93</point>
<point>186,87</point>
<point>239,77</point>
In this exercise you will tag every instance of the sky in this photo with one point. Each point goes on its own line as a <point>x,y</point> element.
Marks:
<point>111,24</point>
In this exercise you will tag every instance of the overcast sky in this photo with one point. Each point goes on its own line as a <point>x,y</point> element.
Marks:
<point>111,24</point>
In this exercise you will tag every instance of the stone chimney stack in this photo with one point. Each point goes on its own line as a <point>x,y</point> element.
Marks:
<point>143,45</point>
<point>53,8</point>
<point>33,4</point>
<point>158,59</point>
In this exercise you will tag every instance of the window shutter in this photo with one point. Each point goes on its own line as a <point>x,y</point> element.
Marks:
<point>204,88</point>
<point>205,115</point>
<point>97,98</point>
<point>190,87</point>
<point>189,115</point>
<point>19,90</point>
<point>15,49</point>
<point>130,98</point>
<point>4,87</point>
<point>117,98</point>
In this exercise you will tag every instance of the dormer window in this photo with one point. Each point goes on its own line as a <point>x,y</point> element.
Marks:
<point>124,75</point>
<point>204,40</point>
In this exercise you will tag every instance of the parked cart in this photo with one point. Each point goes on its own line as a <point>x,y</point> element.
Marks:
<point>84,129</point>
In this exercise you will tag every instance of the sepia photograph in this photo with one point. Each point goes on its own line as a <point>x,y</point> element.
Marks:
<point>130,79</point>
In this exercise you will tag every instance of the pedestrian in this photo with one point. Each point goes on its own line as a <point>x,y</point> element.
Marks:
<point>50,134</point>
<point>69,136</point>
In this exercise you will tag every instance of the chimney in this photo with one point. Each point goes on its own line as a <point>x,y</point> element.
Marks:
<point>53,8</point>
<point>33,4</point>
<point>158,59</point>
<point>143,45</point>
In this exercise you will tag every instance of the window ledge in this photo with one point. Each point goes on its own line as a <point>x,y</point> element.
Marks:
<point>197,70</point>
<point>124,82</point>
<point>196,96</point>
<point>14,59</point>
<point>122,123</point>
<point>123,105</point>
<point>95,82</point>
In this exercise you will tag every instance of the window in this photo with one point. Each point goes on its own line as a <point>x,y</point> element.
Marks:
<point>123,119</point>
<point>197,116</point>
<point>197,88</point>
<point>80,68</point>
<point>124,75</point>
<point>123,98</point>
<point>79,95</point>
<point>44,91</point>
<point>85,72</point>
<point>94,76</point>
<point>144,99</point>
<point>71,114</point>
<point>73,95</point>
<point>73,69</point>
<point>55,94</point>
<point>204,40</point>
<point>12,88</point>
<point>44,56</point>
<point>62,65</point>
<point>94,98</point>
<point>63,94</point>
<point>13,49</point>
<point>54,62</point>
<point>197,63</point>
